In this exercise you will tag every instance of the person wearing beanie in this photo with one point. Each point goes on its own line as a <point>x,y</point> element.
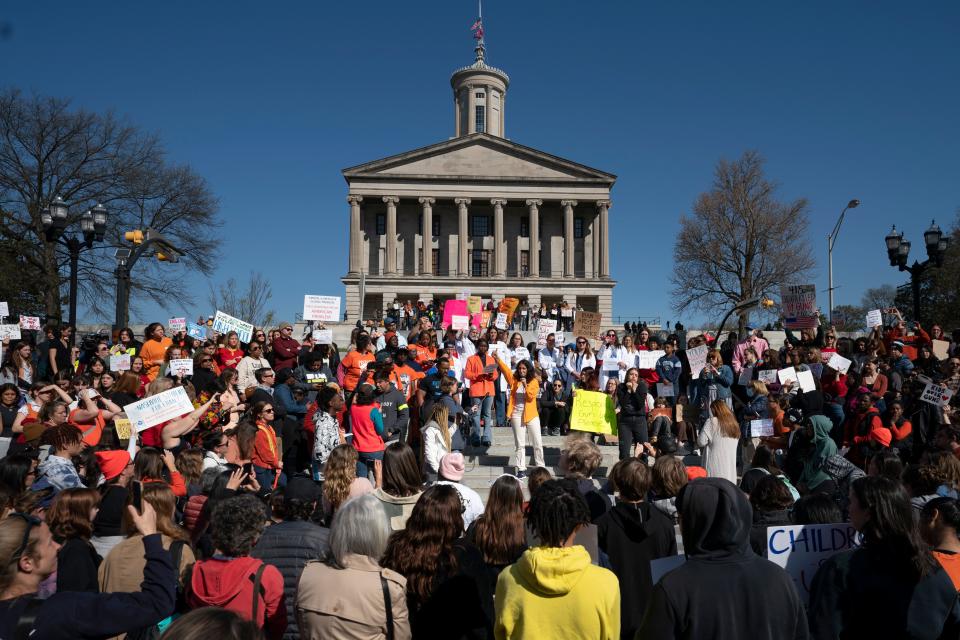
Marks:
<point>117,469</point>
<point>451,473</point>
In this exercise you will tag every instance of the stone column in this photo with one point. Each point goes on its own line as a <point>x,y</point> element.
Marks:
<point>462,263</point>
<point>487,111</point>
<point>595,240</point>
<point>391,266</point>
<point>499,257</point>
<point>426,237</point>
<point>471,110</point>
<point>503,110</point>
<point>456,113</point>
<point>568,206</point>
<point>356,236</point>
<point>604,206</point>
<point>534,225</point>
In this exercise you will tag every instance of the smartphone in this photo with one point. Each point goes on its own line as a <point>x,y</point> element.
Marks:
<point>248,468</point>
<point>136,489</point>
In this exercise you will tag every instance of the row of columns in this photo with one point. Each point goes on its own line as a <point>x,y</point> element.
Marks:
<point>601,236</point>
<point>471,124</point>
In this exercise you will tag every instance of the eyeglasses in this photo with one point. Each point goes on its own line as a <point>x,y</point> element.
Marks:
<point>267,411</point>
<point>32,521</point>
<point>206,361</point>
<point>269,375</point>
<point>581,342</point>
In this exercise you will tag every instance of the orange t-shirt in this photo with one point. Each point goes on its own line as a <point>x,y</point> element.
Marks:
<point>153,352</point>
<point>355,363</point>
<point>405,379</point>
<point>92,431</point>
<point>951,564</point>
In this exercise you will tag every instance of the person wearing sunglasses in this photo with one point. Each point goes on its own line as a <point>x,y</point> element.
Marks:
<point>248,365</point>
<point>28,555</point>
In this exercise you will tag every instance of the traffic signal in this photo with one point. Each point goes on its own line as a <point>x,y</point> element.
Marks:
<point>767,303</point>
<point>135,236</point>
<point>173,256</point>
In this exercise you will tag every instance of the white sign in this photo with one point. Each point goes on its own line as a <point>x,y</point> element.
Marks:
<point>648,359</point>
<point>941,348</point>
<point>746,375</point>
<point>801,549</point>
<point>767,376</point>
<point>545,328</point>
<point>501,321</point>
<point>4,310</point>
<point>566,313</point>
<point>322,336</point>
<point>322,308</point>
<point>224,323</point>
<point>520,353</point>
<point>874,318</point>
<point>559,337</point>
<point>838,363</point>
<point>697,357</point>
<point>936,394</point>
<point>11,331</point>
<point>460,323</point>
<point>611,364</point>
<point>664,390</point>
<point>181,367</point>
<point>805,379</point>
<point>787,375</point>
<point>151,411</point>
<point>761,428</point>
<point>120,362</point>
<point>32,323</point>
<point>177,324</point>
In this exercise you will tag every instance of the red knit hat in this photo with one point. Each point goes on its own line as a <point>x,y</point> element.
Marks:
<point>694,472</point>
<point>112,463</point>
<point>883,436</point>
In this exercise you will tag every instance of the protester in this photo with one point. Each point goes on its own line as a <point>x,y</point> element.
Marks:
<point>499,532</point>
<point>771,500</point>
<point>451,473</point>
<point>718,440</point>
<point>57,469</point>
<point>402,484</point>
<point>154,349</point>
<point>481,371</point>
<point>578,462</point>
<point>631,399</point>
<point>522,412</point>
<point>940,526</point>
<point>71,523</point>
<point>367,424</point>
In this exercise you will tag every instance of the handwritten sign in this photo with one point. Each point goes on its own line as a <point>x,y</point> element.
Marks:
<point>9,331</point>
<point>787,375</point>
<point>123,428</point>
<point>936,394</point>
<point>474,304</point>
<point>177,324</point>
<point>799,303</point>
<point>151,411</point>
<point>761,428</point>
<point>224,323</point>
<point>196,332</point>
<point>801,549</point>
<point>545,328</point>
<point>587,324</point>
<point>593,411</point>
<point>120,362</point>
<point>767,376</point>
<point>509,307</point>
<point>181,367</point>
<point>520,353</point>
<point>321,308</point>
<point>322,336</point>
<point>648,359</point>
<point>697,357</point>
<point>501,321</point>
<point>838,363</point>
<point>32,323</point>
<point>874,318</point>
<point>664,390</point>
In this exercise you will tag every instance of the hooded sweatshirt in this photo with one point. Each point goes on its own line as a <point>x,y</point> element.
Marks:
<point>228,583</point>
<point>555,592</point>
<point>724,590</point>
<point>823,447</point>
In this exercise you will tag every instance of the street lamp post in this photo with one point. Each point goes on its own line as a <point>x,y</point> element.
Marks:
<point>93,225</point>
<point>898,251</point>
<point>152,240</point>
<point>831,239</point>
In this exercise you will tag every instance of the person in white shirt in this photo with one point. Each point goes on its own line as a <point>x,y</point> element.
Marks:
<point>580,358</point>
<point>613,357</point>
<point>550,358</point>
<point>214,448</point>
<point>248,365</point>
<point>629,356</point>
<point>451,473</point>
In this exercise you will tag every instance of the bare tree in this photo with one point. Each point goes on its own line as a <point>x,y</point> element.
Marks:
<point>48,150</point>
<point>249,305</point>
<point>739,242</point>
<point>882,297</point>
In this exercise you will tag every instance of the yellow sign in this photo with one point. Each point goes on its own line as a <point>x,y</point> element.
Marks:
<point>593,412</point>
<point>474,304</point>
<point>123,427</point>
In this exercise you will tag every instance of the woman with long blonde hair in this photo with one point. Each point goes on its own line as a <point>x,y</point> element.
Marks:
<point>718,442</point>
<point>340,478</point>
<point>436,439</point>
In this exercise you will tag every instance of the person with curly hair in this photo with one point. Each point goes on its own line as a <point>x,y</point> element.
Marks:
<point>448,594</point>
<point>341,481</point>
<point>234,580</point>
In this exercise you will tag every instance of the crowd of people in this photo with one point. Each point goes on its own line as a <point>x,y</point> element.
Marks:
<point>318,491</point>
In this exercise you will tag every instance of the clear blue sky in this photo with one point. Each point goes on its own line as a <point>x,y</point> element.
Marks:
<point>270,101</point>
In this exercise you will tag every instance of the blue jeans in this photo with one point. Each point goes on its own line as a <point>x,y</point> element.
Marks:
<point>500,400</point>
<point>486,412</point>
<point>365,462</point>
<point>265,477</point>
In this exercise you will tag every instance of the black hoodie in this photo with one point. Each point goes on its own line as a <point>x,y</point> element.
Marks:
<point>724,590</point>
<point>632,535</point>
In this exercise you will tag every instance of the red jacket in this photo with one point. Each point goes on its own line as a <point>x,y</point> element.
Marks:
<point>285,351</point>
<point>228,584</point>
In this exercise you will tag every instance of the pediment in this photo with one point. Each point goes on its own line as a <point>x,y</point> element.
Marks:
<point>479,157</point>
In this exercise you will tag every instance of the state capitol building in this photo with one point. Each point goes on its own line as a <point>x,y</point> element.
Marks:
<point>478,213</point>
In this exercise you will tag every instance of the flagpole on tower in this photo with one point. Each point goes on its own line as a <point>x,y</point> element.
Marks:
<point>477,29</point>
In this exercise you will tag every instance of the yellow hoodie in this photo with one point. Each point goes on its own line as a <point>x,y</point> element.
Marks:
<point>554,592</point>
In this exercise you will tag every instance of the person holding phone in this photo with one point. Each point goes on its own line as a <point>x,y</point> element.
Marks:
<point>481,371</point>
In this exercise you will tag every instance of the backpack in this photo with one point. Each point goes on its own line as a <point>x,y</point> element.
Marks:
<point>155,631</point>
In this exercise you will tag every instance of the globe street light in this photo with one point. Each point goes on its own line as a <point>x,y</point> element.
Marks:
<point>898,251</point>
<point>831,239</point>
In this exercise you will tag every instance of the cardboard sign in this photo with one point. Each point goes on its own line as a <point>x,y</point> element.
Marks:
<point>474,304</point>
<point>196,332</point>
<point>838,363</point>
<point>177,324</point>
<point>874,318</point>
<point>224,323</point>
<point>181,367</point>
<point>587,324</point>
<point>940,348</point>
<point>593,411</point>
<point>761,428</point>
<point>151,411</point>
<point>501,321</point>
<point>936,394</point>
<point>120,362</point>
<point>648,359</point>
<point>30,323</point>
<point>11,331</point>
<point>321,308</point>
<point>767,376</point>
<point>787,375</point>
<point>4,310</point>
<point>805,380</point>
<point>799,304</point>
<point>322,336</point>
<point>545,328</point>
<point>664,390</point>
<point>801,549</point>
<point>697,357</point>
<point>123,427</point>
<point>746,376</point>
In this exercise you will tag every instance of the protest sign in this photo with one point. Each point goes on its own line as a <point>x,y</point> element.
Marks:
<point>474,304</point>
<point>697,357</point>
<point>545,328</point>
<point>593,411</point>
<point>746,375</point>
<point>805,380</point>
<point>321,308</point>
<point>936,394</point>
<point>520,353</point>
<point>787,375</point>
<point>177,324</point>
<point>874,318</point>
<point>566,313</point>
<point>11,331</point>
<point>224,323</point>
<point>761,428</point>
<point>313,378</point>
<point>151,411</point>
<point>801,549</point>
<point>940,348</point>
<point>559,337</point>
<point>123,427</point>
<point>509,307</point>
<point>767,376</point>
<point>587,324</point>
<point>501,321</point>
<point>799,304</point>
<point>322,336</point>
<point>453,308</point>
<point>4,310</point>
<point>838,363</point>
<point>611,364</point>
<point>460,323</point>
<point>120,362</point>
<point>664,390</point>
<point>32,323</point>
<point>181,367</point>
<point>196,332</point>
<point>648,359</point>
